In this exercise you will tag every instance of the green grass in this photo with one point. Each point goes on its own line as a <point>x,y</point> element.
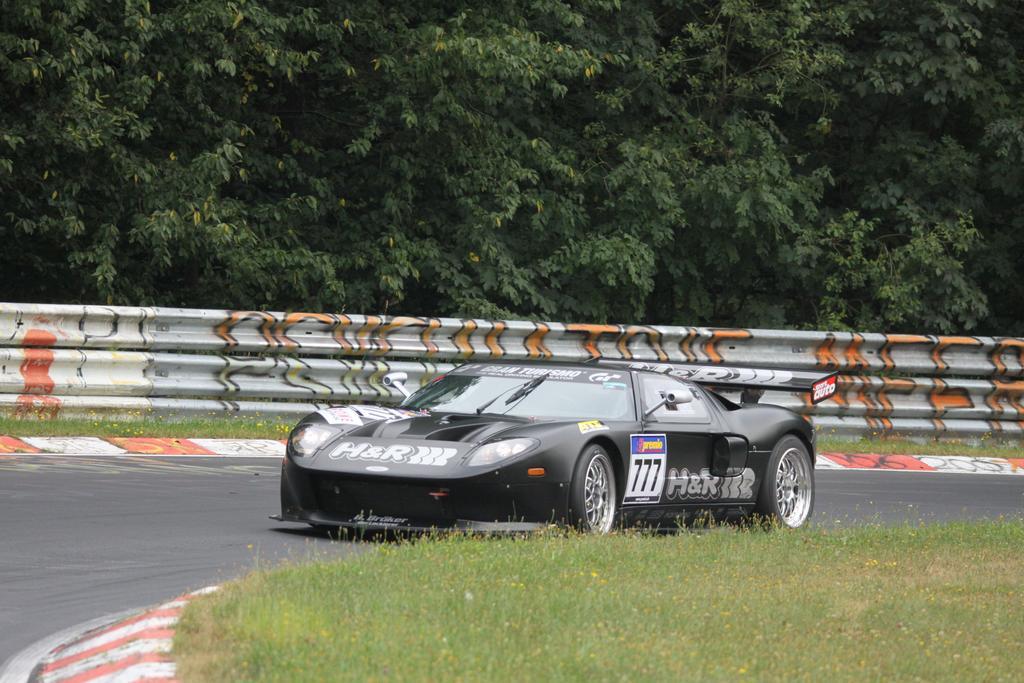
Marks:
<point>937,603</point>
<point>221,427</point>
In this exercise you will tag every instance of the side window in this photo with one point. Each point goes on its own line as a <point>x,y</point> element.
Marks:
<point>654,389</point>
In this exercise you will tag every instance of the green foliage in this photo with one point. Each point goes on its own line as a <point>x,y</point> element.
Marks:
<point>841,164</point>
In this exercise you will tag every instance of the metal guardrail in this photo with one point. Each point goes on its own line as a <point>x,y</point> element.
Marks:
<point>73,360</point>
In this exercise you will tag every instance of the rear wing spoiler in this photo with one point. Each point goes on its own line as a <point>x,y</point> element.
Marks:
<point>819,385</point>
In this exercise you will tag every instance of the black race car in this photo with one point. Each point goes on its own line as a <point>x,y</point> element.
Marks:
<point>513,446</point>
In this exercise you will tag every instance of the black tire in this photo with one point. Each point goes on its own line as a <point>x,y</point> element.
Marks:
<point>788,503</point>
<point>602,516</point>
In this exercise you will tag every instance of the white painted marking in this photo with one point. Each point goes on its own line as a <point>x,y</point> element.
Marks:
<point>122,456</point>
<point>74,445</point>
<point>130,649</point>
<point>942,464</point>
<point>18,668</point>
<point>953,464</point>
<point>115,634</point>
<point>146,671</point>
<point>242,447</point>
<point>94,447</point>
<point>824,463</point>
<point>174,604</point>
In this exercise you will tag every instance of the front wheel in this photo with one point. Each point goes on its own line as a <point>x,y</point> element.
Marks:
<point>787,491</point>
<point>592,497</point>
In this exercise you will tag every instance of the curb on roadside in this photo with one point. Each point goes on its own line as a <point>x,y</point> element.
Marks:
<point>942,464</point>
<point>19,668</point>
<point>126,647</point>
<point>142,446</point>
<point>196,447</point>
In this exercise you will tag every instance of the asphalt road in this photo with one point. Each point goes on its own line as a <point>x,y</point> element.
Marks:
<point>83,537</point>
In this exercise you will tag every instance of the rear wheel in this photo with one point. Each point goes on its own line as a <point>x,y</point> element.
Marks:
<point>787,491</point>
<point>592,496</point>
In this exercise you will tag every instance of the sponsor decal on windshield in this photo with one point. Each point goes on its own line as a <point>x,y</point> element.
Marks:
<point>399,453</point>
<point>592,426</point>
<point>647,453</point>
<point>525,371</point>
<point>602,377</point>
<point>531,372</point>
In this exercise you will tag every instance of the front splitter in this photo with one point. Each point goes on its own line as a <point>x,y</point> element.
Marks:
<point>383,523</point>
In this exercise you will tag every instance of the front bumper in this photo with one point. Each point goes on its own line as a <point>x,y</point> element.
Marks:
<point>379,503</point>
<point>383,523</point>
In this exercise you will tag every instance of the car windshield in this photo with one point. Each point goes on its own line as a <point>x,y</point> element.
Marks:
<point>564,393</point>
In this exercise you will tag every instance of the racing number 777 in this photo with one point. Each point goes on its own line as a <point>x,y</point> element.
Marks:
<point>646,468</point>
<point>645,482</point>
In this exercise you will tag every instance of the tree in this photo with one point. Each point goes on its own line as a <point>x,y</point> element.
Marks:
<point>840,164</point>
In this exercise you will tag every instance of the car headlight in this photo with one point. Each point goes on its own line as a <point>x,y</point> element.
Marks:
<point>498,451</point>
<point>307,438</point>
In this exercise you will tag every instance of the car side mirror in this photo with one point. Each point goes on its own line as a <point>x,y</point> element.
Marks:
<point>729,456</point>
<point>671,398</point>
<point>397,380</point>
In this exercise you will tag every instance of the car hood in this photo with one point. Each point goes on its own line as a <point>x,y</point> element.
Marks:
<point>422,446</point>
<point>442,427</point>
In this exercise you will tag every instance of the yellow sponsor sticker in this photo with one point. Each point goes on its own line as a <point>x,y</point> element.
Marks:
<point>592,426</point>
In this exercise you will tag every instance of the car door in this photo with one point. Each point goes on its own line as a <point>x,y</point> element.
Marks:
<point>669,460</point>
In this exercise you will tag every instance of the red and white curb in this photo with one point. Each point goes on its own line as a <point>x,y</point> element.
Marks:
<point>142,446</point>
<point>945,464</point>
<point>270,448</point>
<point>125,649</point>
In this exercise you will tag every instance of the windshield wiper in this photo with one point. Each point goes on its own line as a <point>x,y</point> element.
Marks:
<point>519,393</point>
<point>526,389</point>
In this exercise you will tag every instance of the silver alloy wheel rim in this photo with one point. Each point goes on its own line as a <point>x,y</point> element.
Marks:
<point>793,488</point>
<point>598,503</point>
